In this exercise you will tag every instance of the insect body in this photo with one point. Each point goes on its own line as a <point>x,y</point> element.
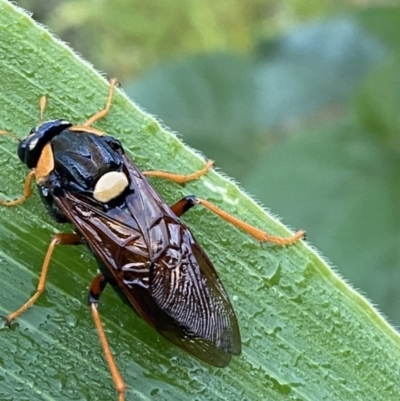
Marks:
<point>142,248</point>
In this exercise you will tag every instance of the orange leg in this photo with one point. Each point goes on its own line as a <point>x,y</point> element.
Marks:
<point>86,126</point>
<point>58,239</point>
<point>10,134</point>
<point>102,113</point>
<point>27,191</point>
<point>188,202</point>
<point>256,233</point>
<point>182,206</point>
<point>180,178</point>
<point>42,106</point>
<point>96,289</point>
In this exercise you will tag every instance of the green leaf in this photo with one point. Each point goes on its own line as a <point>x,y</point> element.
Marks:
<point>306,334</point>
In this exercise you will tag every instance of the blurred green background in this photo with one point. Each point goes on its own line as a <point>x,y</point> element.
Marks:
<point>298,100</point>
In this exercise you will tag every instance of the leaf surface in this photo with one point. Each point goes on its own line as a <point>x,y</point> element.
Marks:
<point>306,334</point>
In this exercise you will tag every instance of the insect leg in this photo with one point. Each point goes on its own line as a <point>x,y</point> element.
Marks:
<point>102,113</point>
<point>96,289</point>
<point>180,178</point>
<point>188,202</point>
<point>58,239</point>
<point>183,205</point>
<point>10,134</point>
<point>42,106</point>
<point>27,192</point>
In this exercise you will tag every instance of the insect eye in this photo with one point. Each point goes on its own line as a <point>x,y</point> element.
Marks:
<point>31,147</point>
<point>22,150</point>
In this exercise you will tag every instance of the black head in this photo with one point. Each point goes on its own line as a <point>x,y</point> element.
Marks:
<point>30,148</point>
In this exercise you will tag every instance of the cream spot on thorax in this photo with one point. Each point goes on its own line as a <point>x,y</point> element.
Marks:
<point>109,186</point>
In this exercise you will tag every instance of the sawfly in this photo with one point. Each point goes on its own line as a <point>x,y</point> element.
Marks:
<point>143,250</point>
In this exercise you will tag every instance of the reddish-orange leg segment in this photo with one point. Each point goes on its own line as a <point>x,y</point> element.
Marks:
<point>180,178</point>
<point>58,239</point>
<point>26,194</point>
<point>96,289</point>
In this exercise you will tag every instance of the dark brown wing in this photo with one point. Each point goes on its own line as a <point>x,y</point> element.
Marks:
<point>164,274</point>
